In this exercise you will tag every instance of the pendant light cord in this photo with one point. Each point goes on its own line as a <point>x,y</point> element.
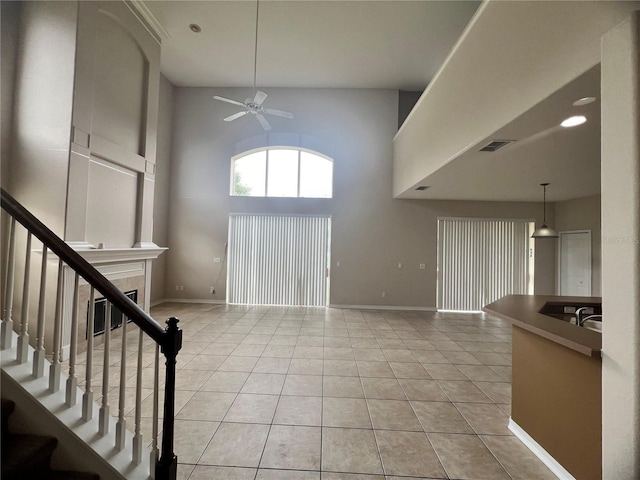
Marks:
<point>255,51</point>
<point>544,204</point>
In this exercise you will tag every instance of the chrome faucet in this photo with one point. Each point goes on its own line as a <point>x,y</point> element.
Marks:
<point>579,320</point>
<point>590,317</point>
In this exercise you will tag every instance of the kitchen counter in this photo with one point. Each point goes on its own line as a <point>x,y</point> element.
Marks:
<point>556,383</point>
<point>524,311</point>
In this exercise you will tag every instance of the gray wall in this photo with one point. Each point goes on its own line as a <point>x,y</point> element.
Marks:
<point>161,194</point>
<point>371,232</point>
<point>584,214</point>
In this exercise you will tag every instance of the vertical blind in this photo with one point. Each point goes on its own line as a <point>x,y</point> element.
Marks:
<point>278,260</point>
<point>481,260</point>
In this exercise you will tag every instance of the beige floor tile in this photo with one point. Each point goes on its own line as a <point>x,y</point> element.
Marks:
<point>374,369</point>
<point>350,450</point>
<point>490,358</point>
<point>238,364</point>
<point>268,383</point>
<point>184,471</point>
<point>430,356</point>
<point>334,386</point>
<point>272,365</point>
<point>306,366</point>
<point>499,392</point>
<point>306,351</point>
<point>345,412</point>
<point>395,355</point>
<point>503,371</point>
<point>443,371</point>
<point>292,447</point>
<point>305,385</point>
<point>425,390</point>
<point>391,343</point>
<point>393,415</point>
<point>383,388</point>
<point>479,373</point>
<point>252,408</point>
<point>205,362</point>
<point>289,340</point>
<point>264,474</point>
<point>408,453</point>
<point>278,351</point>
<point>256,339</point>
<point>485,418</point>
<point>337,338</point>
<point>350,476</point>
<point>360,342</point>
<point>309,341</point>
<point>204,472</point>
<point>293,410</point>
<point>461,358</point>
<point>459,391</point>
<point>409,370</point>
<point>369,354</point>
<point>244,350</point>
<point>517,459</point>
<point>440,417</point>
<point>465,456</point>
<point>209,406</point>
<point>191,379</point>
<point>345,368</point>
<point>225,382</point>
<point>338,353</point>
<point>191,438</point>
<point>236,444</point>
<point>219,349</point>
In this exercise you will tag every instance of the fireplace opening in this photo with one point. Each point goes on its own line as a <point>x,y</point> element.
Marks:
<point>100,311</point>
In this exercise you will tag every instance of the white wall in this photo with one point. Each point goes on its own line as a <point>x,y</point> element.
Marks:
<point>584,214</point>
<point>371,232</point>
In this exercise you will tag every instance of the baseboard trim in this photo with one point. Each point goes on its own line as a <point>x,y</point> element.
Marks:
<point>383,307</point>
<point>189,300</point>
<point>544,456</point>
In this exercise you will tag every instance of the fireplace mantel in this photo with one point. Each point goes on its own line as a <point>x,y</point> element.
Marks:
<point>96,256</point>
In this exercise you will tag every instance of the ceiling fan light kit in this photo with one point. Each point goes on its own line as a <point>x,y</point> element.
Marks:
<point>254,106</point>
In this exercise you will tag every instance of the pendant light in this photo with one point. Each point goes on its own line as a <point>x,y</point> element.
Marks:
<point>543,231</point>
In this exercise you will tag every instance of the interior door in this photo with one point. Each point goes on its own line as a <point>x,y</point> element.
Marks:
<point>575,263</point>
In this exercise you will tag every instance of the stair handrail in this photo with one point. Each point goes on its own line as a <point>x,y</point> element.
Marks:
<point>169,339</point>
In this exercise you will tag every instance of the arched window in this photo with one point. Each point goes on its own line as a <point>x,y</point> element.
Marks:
<point>282,172</point>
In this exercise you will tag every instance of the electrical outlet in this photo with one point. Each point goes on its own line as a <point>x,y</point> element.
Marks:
<point>181,288</point>
<point>384,294</point>
<point>213,290</point>
<point>177,287</point>
<point>216,260</point>
<point>423,266</point>
<point>399,265</point>
<point>338,263</point>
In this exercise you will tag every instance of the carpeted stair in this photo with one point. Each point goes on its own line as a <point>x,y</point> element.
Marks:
<point>29,456</point>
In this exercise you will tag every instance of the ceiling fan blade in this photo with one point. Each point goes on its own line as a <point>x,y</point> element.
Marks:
<point>228,100</point>
<point>279,113</point>
<point>234,116</point>
<point>263,122</point>
<point>260,97</point>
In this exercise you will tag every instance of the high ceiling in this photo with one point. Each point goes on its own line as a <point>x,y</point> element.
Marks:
<point>318,44</point>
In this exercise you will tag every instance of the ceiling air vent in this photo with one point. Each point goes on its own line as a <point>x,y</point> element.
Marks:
<point>421,188</point>
<point>495,145</point>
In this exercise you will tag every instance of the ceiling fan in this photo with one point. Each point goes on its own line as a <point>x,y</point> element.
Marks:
<point>254,106</point>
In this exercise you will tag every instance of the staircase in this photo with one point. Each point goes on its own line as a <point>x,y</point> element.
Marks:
<point>82,396</point>
<point>29,456</point>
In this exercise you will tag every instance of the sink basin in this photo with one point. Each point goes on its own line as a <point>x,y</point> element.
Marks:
<point>594,325</point>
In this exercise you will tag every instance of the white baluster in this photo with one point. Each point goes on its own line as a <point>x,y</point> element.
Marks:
<point>121,424</point>
<point>39,353</point>
<point>72,381</point>
<point>87,397</point>
<point>137,437</point>
<point>6,330</point>
<point>103,414</point>
<point>154,432</point>
<point>23,339</point>
<point>56,367</point>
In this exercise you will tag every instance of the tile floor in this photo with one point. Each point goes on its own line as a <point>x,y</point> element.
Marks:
<point>266,393</point>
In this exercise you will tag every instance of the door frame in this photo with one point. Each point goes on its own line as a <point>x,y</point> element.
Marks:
<point>559,259</point>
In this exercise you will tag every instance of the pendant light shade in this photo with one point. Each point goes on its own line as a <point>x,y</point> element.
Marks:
<point>544,231</point>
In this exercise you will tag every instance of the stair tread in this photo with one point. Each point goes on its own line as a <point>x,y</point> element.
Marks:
<point>71,475</point>
<point>27,452</point>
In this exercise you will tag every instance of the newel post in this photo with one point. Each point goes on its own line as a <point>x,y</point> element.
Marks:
<point>166,468</point>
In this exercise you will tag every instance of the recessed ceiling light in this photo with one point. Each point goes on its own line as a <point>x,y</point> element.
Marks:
<point>584,101</point>
<point>195,28</point>
<point>574,121</point>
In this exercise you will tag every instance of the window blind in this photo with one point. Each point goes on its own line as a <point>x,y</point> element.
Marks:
<point>481,260</point>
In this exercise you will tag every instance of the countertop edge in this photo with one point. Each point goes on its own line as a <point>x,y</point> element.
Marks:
<point>533,321</point>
